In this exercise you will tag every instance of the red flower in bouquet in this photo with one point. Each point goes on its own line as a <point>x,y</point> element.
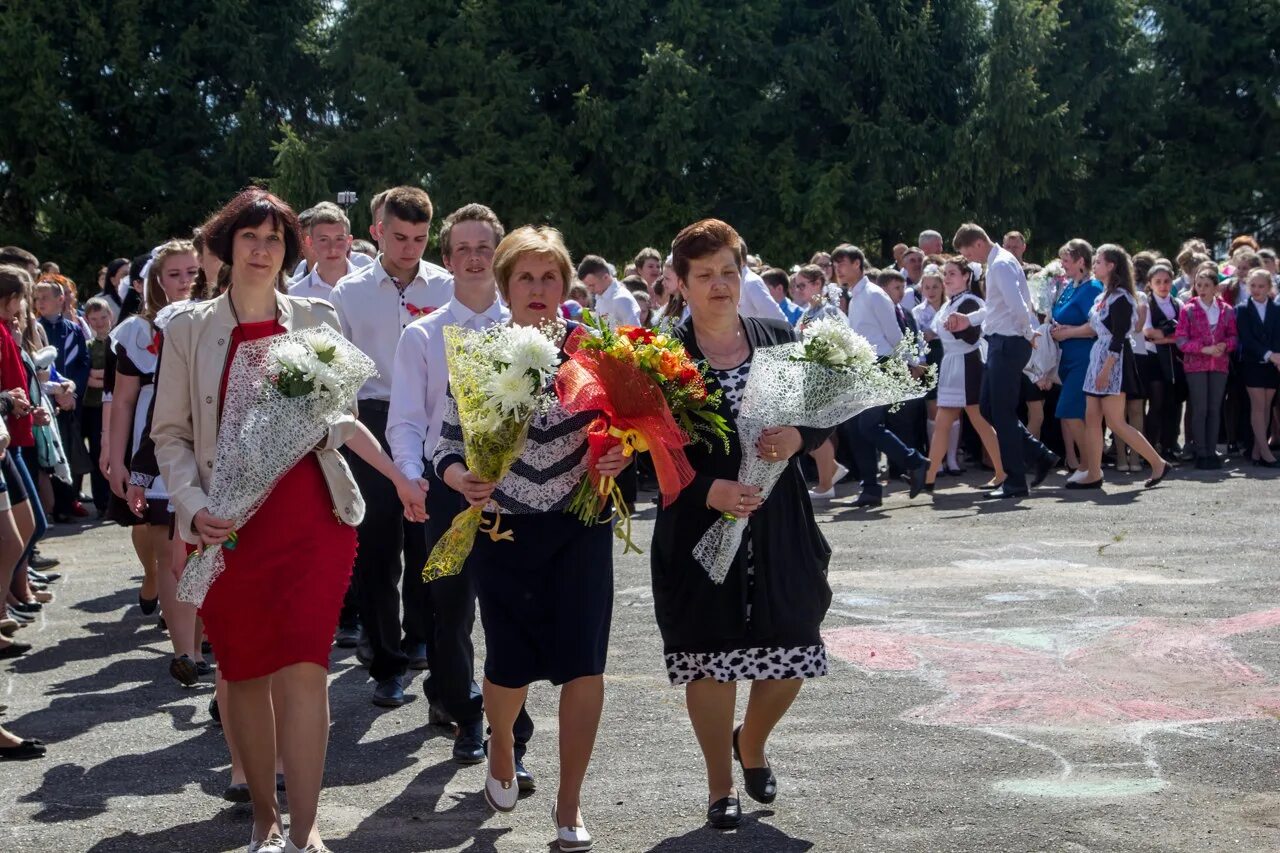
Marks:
<point>652,398</point>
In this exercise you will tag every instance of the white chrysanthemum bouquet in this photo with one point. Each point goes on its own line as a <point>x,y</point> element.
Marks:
<point>500,378</point>
<point>283,393</point>
<point>824,379</point>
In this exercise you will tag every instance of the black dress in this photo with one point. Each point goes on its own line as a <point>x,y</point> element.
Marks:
<point>763,622</point>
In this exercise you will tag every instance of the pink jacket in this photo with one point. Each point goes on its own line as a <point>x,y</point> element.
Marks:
<point>1194,334</point>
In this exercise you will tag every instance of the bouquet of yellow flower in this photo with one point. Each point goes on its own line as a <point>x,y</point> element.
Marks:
<point>498,378</point>
<point>651,397</point>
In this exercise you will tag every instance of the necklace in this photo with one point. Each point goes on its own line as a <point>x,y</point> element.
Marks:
<point>235,315</point>
<point>732,357</point>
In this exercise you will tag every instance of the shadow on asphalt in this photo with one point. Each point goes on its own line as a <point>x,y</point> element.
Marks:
<point>752,836</point>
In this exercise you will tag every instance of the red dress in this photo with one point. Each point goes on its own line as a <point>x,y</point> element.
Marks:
<point>277,601</point>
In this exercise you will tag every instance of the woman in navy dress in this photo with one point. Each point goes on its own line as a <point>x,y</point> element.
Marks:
<point>1075,336</point>
<point>1258,324</point>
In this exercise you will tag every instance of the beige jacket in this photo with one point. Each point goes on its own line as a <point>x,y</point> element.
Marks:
<point>184,425</point>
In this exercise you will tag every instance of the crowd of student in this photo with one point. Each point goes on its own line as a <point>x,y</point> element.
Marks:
<point>1175,359</point>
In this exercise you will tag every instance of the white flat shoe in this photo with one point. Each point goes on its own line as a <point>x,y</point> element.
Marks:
<point>815,495</point>
<point>273,843</point>
<point>570,839</point>
<point>502,796</point>
<point>841,473</point>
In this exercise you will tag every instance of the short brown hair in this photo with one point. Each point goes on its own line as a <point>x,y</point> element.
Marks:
<point>528,240</point>
<point>811,271</point>
<point>702,238</point>
<point>774,277</point>
<point>249,209</point>
<point>18,257</point>
<point>408,204</point>
<point>375,206</point>
<point>646,254</point>
<point>1243,241</point>
<point>1017,235</point>
<point>968,234</point>
<point>1207,268</point>
<point>328,213</point>
<point>469,213</point>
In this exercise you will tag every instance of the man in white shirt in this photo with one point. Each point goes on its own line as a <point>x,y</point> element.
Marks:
<point>374,306</point>
<point>419,385</point>
<point>754,299</point>
<point>873,315</point>
<point>612,299</point>
<point>328,240</point>
<point>1010,328</point>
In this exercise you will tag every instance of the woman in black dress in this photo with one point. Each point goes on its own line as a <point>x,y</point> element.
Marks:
<point>1258,322</point>
<point>762,623</point>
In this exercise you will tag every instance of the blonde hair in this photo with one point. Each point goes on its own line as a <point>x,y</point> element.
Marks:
<point>156,298</point>
<point>544,241</point>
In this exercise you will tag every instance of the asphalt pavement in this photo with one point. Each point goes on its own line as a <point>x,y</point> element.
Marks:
<point>1073,672</point>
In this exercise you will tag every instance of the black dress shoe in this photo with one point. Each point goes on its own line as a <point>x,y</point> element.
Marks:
<point>1045,467</point>
<point>28,607</point>
<point>214,714</point>
<point>916,480</point>
<point>1096,484</point>
<point>725,813</point>
<point>524,779</point>
<point>184,671</point>
<point>1005,493</point>
<point>866,501</point>
<point>24,751</point>
<point>389,693</point>
<point>204,669</point>
<point>417,654</point>
<point>347,638</point>
<point>468,749</point>
<point>40,562</point>
<point>237,793</point>
<point>1155,481</point>
<point>761,784</point>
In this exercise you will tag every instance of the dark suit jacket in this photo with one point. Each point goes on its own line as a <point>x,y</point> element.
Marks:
<point>790,595</point>
<point>1257,338</point>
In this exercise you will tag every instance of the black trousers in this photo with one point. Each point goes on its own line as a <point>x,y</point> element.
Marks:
<point>1007,355</point>
<point>448,614</point>
<point>872,438</point>
<point>378,569</point>
<point>91,425</point>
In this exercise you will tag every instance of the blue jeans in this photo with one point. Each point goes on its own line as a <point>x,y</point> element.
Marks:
<point>1007,355</point>
<point>37,509</point>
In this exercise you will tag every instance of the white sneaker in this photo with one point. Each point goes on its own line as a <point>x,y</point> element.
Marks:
<point>571,839</point>
<point>290,847</point>
<point>273,843</point>
<point>1078,477</point>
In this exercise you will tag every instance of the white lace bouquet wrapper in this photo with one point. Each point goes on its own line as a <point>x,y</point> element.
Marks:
<point>263,433</point>
<point>784,391</point>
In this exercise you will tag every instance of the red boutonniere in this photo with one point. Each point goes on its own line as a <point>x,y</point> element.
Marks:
<point>154,346</point>
<point>416,312</point>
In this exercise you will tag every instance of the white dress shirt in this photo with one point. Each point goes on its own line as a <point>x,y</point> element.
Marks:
<point>755,300</point>
<point>1009,309</point>
<point>420,379</point>
<point>619,305</point>
<point>373,312</point>
<point>312,286</point>
<point>873,315</point>
<point>354,259</point>
<point>910,298</point>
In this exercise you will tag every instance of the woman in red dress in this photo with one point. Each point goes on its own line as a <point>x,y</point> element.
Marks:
<point>272,613</point>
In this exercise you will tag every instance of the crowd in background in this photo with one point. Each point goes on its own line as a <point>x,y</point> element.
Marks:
<point>1177,360</point>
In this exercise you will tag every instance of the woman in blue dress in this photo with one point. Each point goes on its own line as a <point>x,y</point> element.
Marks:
<point>1075,336</point>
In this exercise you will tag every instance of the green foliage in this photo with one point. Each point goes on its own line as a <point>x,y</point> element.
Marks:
<point>802,122</point>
